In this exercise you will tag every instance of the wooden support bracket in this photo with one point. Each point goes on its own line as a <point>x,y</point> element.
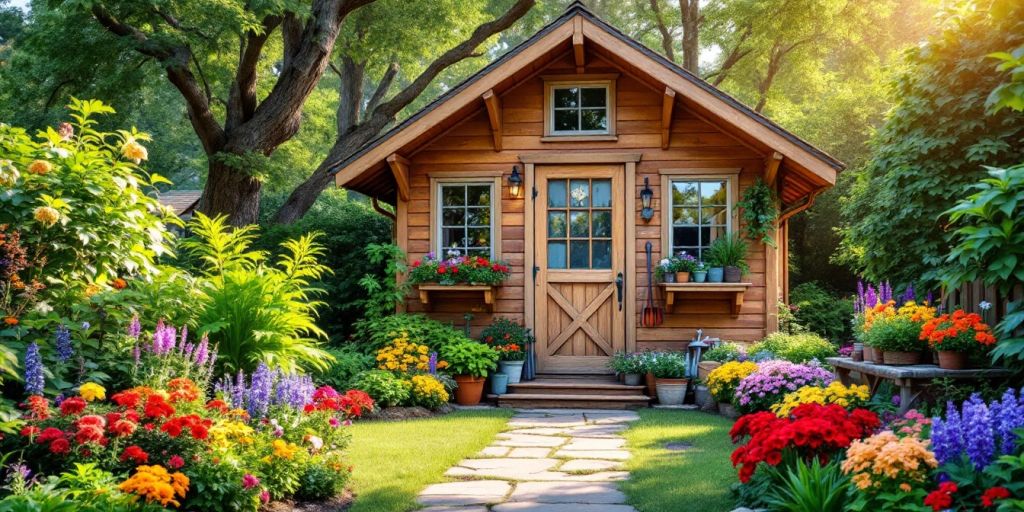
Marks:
<point>668,101</point>
<point>771,168</point>
<point>400,170</point>
<point>577,44</point>
<point>493,104</point>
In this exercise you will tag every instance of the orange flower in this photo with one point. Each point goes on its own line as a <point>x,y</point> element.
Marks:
<point>119,284</point>
<point>12,321</point>
<point>40,167</point>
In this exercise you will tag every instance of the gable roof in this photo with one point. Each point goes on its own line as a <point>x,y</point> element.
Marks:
<point>181,201</point>
<point>819,167</point>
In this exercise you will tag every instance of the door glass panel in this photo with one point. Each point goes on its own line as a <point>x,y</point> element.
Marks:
<point>556,224</point>
<point>602,250</point>
<point>602,224</point>
<point>556,194</point>
<point>602,190</point>
<point>579,193</point>
<point>579,254</point>
<point>556,254</point>
<point>579,223</point>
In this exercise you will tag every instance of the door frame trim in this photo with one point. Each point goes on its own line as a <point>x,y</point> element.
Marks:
<point>629,161</point>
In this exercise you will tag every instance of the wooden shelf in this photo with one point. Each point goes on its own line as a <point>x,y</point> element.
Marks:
<point>672,290</point>
<point>426,290</point>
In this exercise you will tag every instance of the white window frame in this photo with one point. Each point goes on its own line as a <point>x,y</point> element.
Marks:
<point>670,176</point>
<point>437,215</point>
<point>553,83</point>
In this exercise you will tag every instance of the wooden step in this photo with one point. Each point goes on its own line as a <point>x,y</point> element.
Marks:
<point>573,401</point>
<point>566,387</point>
<point>577,377</point>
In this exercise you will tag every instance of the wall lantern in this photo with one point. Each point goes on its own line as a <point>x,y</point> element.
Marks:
<point>646,195</point>
<point>515,182</point>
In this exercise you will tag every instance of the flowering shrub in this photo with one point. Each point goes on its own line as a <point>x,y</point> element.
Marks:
<point>428,392</point>
<point>959,332</point>
<point>835,393</point>
<point>888,470</point>
<point>979,431</point>
<point>508,338</point>
<point>773,379</point>
<point>887,327</point>
<point>458,270</point>
<point>722,381</point>
<point>403,356</point>
<point>810,431</point>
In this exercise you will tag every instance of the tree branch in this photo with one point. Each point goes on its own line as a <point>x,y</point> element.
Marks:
<point>382,88</point>
<point>350,94</point>
<point>242,97</point>
<point>666,36</point>
<point>735,55</point>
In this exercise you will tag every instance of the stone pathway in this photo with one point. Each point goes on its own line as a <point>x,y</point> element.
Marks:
<point>552,460</point>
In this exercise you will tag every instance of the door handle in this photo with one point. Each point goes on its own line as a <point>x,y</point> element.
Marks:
<point>619,283</point>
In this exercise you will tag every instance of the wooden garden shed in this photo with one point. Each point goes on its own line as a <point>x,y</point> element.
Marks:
<point>588,118</point>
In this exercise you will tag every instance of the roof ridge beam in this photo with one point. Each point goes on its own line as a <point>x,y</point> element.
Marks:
<point>577,44</point>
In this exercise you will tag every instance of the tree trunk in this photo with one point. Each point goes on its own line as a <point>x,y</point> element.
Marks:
<point>690,12</point>
<point>231,191</point>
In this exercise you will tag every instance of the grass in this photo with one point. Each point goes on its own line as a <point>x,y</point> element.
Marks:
<point>394,460</point>
<point>697,478</point>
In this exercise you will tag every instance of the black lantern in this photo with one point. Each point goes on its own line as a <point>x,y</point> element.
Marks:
<point>646,195</point>
<point>515,182</point>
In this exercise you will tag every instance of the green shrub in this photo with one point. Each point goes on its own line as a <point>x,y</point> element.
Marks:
<point>319,483</point>
<point>469,357</point>
<point>349,362</point>
<point>796,348</point>
<point>254,311</point>
<point>822,312</point>
<point>384,387</point>
<point>804,487</point>
<point>374,333</point>
<point>346,227</point>
<point>725,352</point>
<point>897,334</point>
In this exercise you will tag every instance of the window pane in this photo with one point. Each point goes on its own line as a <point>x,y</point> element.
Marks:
<point>602,224</point>
<point>453,236</point>
<point>684,236</point>
<point>602,253</point>
<point>485,252</point>
<point>579,193</point>
<point>713,192</point>
<point>557,194</point>
<point>713,215</point>
<point>454,216</point>
<point>684,193</point>
<point>684,216</point>
<point>453,195</point>
<point>567,98</point>
<point>579,224</point>
<point>479,237</point>
<point>479,217</point>
<point>556,224</point>
<point>556,255</point>
<point>567,120</point>
<point>593,119</point>
<point>479,195</point>
<point>594,96</point>
<point>579,254</point>
<point>602,190</point>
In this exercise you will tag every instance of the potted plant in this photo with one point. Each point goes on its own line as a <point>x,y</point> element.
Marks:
<point>957,336</point>
<point>700,272</point>
<point>470,362</point>
<point>665,271</point>
<point>474,270</point>
<point>722,383</point>
<point>669,369</point>
<point>630,366</point>
<point>510,340</point>
<point>716,272</point>
<point>896,332</point>
<point>731,253</point>
<point>684,265</point>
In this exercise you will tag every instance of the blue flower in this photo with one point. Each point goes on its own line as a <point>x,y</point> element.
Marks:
<point>978,435</point>
<point>34,379</point>
<point>63,344</point>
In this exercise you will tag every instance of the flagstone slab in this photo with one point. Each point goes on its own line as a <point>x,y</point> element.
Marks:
<point>453,509</point>
<point>611,430</point>
<point>601,418</point>
<point>595,444</point>
<point>547,421</point>
<point>560,507</point>
<point>528,440</point>
<point>567,492</point>
<point>530,453</point>
<point>476,492</point>
<point>542,431</point>
<point>589,465</point>
<point>495,451</point>
<point>593,454</point>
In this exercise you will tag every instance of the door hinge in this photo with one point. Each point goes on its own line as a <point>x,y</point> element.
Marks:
<point>533,195</point>
<point>535,270</point>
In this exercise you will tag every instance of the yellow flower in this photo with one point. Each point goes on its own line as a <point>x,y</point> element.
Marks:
<point>46,216</point>
<point>722,381</point>
<point>428,391</point>
<point>134,151</point>
<point>834,393</point>
<point>91,392</point>
<point>284,449</point>
<point>40,167</point>
<point>155,484</point>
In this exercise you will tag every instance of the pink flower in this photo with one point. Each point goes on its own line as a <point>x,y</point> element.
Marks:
<point>249,481</point>
<point>265,497</point>
<point>175,462</point>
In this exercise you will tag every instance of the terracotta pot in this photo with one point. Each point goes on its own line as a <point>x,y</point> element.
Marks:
<point>652,386</point>
<point>897,358</point>
<point>950,360</point>
<point>733,274</point>
<point>706,367</point>
<point>682,277</point>
<point>470,389</point>
<point>871,355</point>
<point>726,409</point>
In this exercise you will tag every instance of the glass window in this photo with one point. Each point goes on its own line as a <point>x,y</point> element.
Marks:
<point>579,232</point>
<point>465,219</point>
<point>579,109</point>
<point>700,214</point>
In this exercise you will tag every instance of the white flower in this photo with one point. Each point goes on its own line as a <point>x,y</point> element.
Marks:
<point>984,305</point>
<point>664,262</point>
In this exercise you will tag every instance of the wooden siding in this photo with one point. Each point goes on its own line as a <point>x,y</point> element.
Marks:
<point>693,143</point>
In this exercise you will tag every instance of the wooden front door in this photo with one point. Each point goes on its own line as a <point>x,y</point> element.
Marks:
<point>579,248</point>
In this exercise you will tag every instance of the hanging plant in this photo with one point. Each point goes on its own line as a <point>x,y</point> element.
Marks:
<point>759,212</point>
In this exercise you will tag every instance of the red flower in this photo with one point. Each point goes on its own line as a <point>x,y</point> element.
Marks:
<point>455,270</point>
<point>196,426</point>
<point>135,454</point>
<point>89,434</point>
<point>175,462</point>
<point>49,434</point>
<point>30,431</point>
<point>442,269</point>
<point>156,407</point>
<point>941,498</point>
<point>183,389</point>
<point>38,408</point>
<point>217,405</point>
<point>122,428</point>
<point>73,405</point>
<point>416,264</point>
<point>60,446</point>
<point>988,499</point>
<point>308,408</point>
<point>127,399</point>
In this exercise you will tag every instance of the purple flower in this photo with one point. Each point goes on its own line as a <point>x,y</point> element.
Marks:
<point>135,327</point>
<point>775,378</point>
<point>136,353</point>
<point>432,364</point>
<point>978,435</point>
<point>1008,416</point>
<point>260,386</point>
<point>34,380</point>
<point>202,351</point>
<point>63,344</point>
<point>908,294</point>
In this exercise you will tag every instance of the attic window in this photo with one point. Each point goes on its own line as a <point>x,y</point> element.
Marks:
<point>579,108</point>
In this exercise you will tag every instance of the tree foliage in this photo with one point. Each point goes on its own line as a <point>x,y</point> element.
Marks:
<point>932,145</point>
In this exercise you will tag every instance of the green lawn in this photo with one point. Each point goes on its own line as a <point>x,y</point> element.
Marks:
<point>697,478</point>
<point>393,460</point>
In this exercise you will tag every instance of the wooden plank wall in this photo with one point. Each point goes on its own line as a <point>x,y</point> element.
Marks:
<point>969,295</point>
<point>694,143</point>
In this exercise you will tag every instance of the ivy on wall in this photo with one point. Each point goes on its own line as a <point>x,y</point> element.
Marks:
<point>759,212</point>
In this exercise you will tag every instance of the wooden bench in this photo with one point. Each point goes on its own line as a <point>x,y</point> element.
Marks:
<point>911,379</point>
